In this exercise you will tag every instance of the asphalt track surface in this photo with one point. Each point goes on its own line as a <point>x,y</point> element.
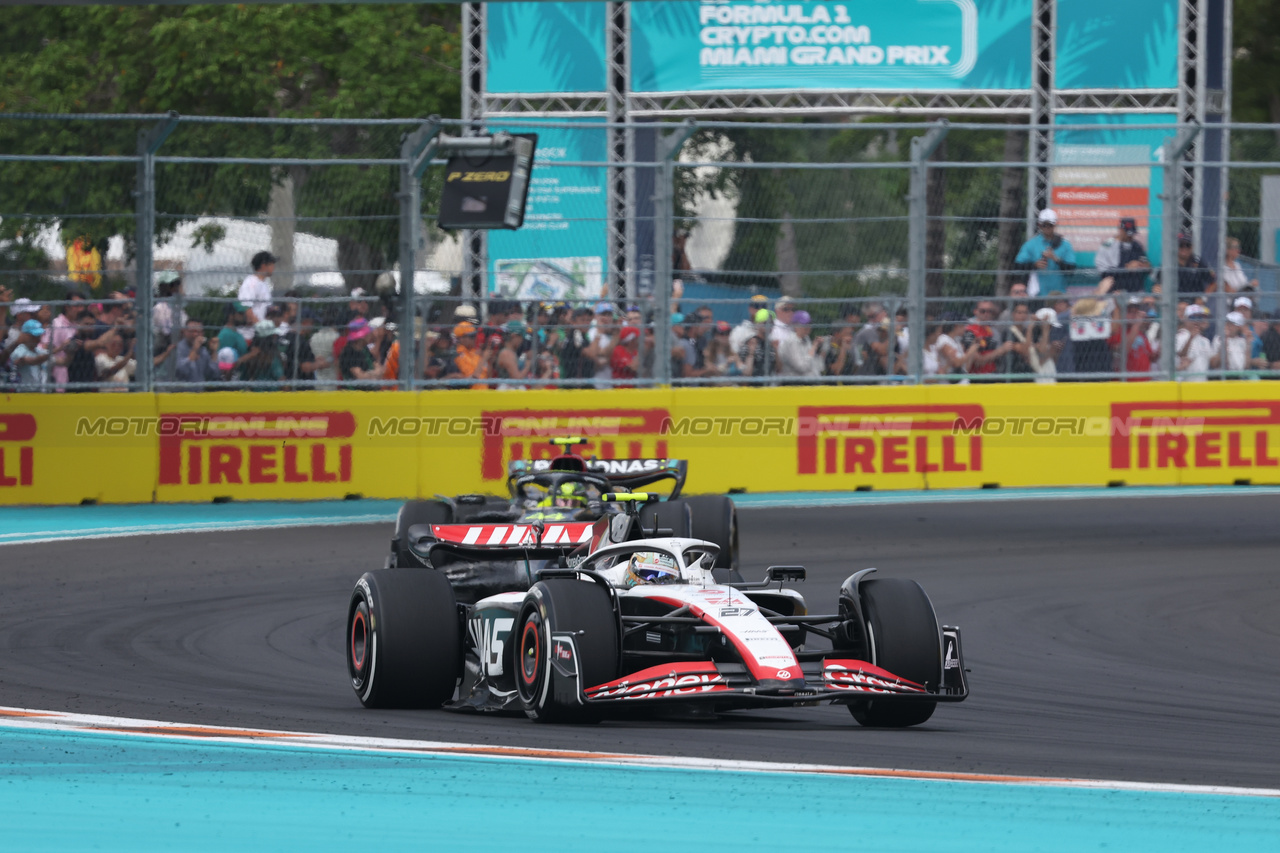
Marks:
<point>1130,640</point>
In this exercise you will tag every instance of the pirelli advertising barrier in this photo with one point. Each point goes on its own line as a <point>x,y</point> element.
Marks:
<point>126,448</point>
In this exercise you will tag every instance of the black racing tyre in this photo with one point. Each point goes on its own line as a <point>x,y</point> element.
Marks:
<point>669,515</point>
<point>715,519</point>
<point>417,512</point>
<point>579,607</point>
<point>906,640</point>
<point>404,640</point>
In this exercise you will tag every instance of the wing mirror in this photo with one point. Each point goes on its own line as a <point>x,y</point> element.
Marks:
<point>784,573</point>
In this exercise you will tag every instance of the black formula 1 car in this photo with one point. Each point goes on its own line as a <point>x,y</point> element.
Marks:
<point>568,621</point>
<point>570,489</point>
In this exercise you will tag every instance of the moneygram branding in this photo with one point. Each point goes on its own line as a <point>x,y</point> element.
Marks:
<point>255,448</point>
<point>1223,434</point>
<point>887,439</point>
<point>17,455</point>
<point>610,434</point>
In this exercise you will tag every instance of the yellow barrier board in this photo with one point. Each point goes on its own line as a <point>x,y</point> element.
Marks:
<point>285,446</point>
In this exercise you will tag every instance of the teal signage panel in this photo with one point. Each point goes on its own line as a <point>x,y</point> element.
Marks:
<point>559,253</point>
<point>545,47</point>
<point>904,45</point>
<point>1105,44</point>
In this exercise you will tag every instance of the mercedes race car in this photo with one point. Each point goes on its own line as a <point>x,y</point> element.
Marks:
<point>595,617</point>
<point>570,489</point>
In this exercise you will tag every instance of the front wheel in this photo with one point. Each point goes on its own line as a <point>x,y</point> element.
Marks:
<point>403,641</point>
<point>902,637</point>
<point>566,639</point>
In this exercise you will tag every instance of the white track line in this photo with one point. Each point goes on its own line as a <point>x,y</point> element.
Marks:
<point>42,536</point>
<point>35,720</point>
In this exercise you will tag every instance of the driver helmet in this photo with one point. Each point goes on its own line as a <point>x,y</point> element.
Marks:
<point>651,567</point>
<point>569,495</point>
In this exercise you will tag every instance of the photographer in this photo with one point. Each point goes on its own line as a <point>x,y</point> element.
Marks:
<point>194,361</point>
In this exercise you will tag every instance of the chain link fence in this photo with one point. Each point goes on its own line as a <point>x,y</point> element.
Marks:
<point>879,252</point>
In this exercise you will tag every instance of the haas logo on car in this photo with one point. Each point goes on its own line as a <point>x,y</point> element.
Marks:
<point>17,456</point>
<point>1223,434</point>
<point>610,433</point>
<point>256,447</point>
<point>889,439</point>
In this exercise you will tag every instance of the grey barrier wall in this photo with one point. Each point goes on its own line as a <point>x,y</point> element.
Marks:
<point>881,252</point>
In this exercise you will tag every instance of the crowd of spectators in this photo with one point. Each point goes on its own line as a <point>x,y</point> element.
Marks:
<point>1037,332</point>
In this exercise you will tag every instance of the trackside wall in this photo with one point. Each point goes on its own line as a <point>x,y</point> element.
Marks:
<point>69,448</point>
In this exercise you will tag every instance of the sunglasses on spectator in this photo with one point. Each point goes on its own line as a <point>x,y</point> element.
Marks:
<point>786,308</point>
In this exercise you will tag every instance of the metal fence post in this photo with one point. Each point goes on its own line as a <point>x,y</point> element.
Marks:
<point>415,152</point>
<point>664,199</point>
<point>1171,213</point>
<point>149,142</point>
<point>922,148</point>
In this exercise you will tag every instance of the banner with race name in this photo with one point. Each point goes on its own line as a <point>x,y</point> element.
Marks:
<point>68,449</point>
<point>908,45</point>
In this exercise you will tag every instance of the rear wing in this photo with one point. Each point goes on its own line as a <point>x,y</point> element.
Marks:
<point>626,473</point>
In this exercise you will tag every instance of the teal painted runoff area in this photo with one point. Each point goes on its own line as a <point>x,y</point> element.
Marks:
<point>41,524</point>
<point>73,791</point>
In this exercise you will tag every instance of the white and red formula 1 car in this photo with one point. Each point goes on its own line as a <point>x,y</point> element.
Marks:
<point>609,615</point>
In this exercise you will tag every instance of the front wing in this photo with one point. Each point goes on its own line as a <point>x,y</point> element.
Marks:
<point>836,680</point>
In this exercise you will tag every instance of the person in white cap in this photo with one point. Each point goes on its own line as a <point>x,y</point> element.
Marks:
<point>1243,305</point>
<point>1193,350</point>
<point>1232,352</point>
<point>1046,255</point>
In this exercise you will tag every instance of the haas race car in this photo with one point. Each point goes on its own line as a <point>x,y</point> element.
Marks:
<point>570,489</point>
<point>568,621</point>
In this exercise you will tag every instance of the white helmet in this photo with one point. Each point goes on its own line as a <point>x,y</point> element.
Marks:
<point>651,567</point>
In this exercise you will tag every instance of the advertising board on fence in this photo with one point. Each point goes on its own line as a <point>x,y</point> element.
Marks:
<point>60,449</point>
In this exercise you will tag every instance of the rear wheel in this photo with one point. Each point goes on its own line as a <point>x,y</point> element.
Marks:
<point>549,674</point>
<point>404,643</point>
<point>413,513</point>
<point>715,519</point>
<point>667,515</point>
<point>904,638</point>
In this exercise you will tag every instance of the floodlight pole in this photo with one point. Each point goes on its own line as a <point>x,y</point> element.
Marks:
<point>669,145</point>
<point>149,142</point>
<point>1171,216</point>
<point>922,148</point>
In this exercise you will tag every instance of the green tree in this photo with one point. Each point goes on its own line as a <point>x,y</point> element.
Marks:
<point>355,61</point>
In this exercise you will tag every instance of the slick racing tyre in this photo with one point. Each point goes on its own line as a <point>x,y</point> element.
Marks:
<point>904,638</point>
<point>404,642</point>
<point>715,519</point>
<point>550,674</point>
<point>417,512</point>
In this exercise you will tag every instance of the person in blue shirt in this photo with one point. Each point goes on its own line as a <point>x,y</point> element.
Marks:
<point>1045,256</point>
